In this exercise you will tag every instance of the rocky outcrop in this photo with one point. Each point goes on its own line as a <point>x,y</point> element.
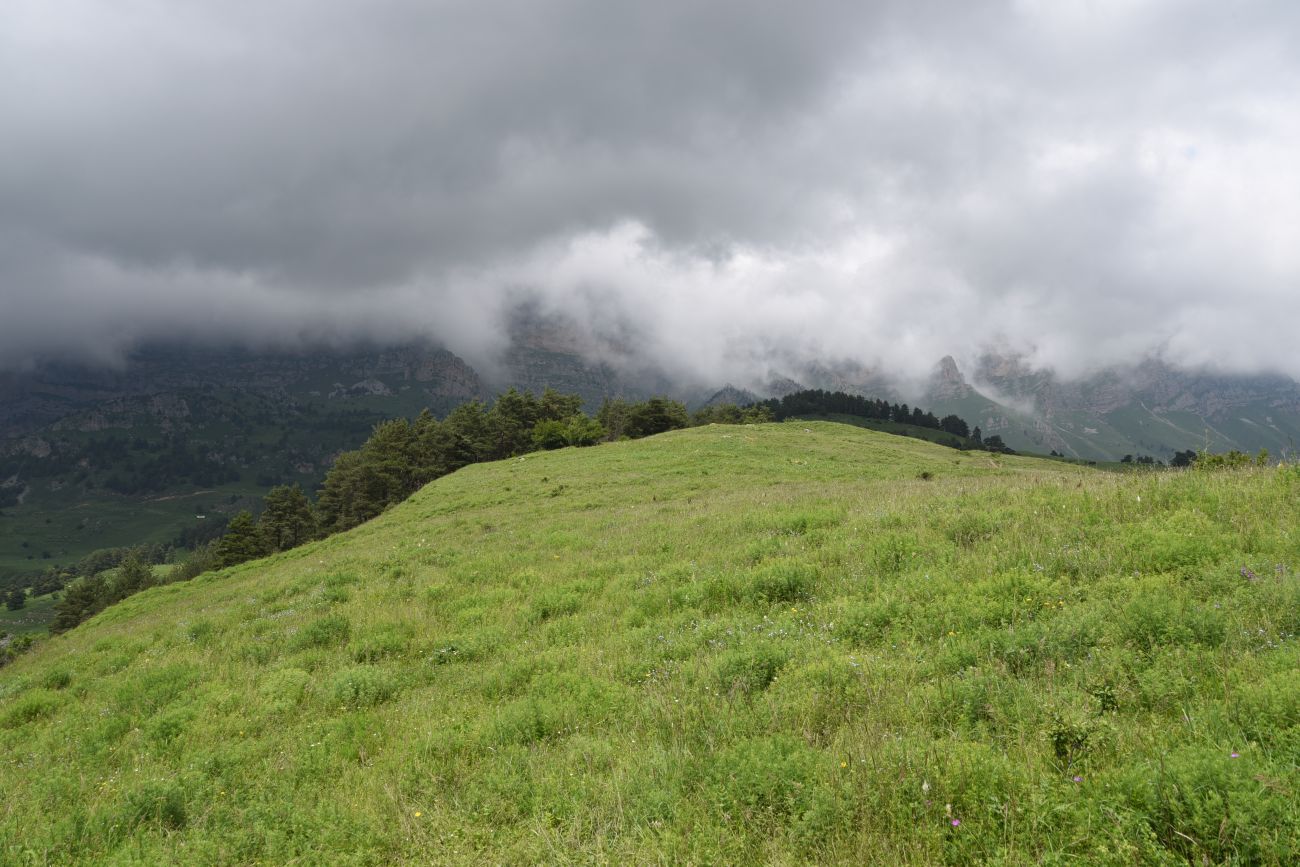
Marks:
<point>729,394</point>
<point>947,381</point>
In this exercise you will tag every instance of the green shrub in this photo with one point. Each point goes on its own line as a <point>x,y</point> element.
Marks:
<point>169,725</point>
<point>156,803</point>
<point>556,602</point>
<point>1160,619</point>
<point>57,678</point>
<point>557,702</point>
<point>800,522</point>
<point>891,553</point>
<point>527,721</point>
<point>200,631</point>
<point>749,670</point>
<point>820,696</point>
<point>326,632</point>
<point>1177,541</point>
<point>765,779</point>
<point>380,644</point>
<point>867,623</point>
<point>362,686</point>
<point>783,583</point>
<point>284,689</point>
<point>36,704</point>
<point>970,528</point>
<point>1207,805</point>
<point>966,702</point>
<point>1266,710</point>
<point>153,689</point>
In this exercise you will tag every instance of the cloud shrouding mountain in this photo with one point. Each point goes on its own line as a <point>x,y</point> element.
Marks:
<point>716,186</point>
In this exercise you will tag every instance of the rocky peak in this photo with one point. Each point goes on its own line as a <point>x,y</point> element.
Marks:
<point>730,394</point>
<point>947,381</point>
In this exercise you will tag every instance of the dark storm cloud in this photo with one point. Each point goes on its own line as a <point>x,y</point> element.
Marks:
<point>729,184</point>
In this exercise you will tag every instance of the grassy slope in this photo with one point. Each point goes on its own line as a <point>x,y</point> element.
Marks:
<point>724,644</point>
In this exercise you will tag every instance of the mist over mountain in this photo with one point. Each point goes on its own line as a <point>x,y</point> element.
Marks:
<point>702,190</point>
<point>1149,408</point>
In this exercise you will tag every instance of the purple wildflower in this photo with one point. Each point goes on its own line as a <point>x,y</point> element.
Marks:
<point>956,822</point>
<point>1078,779</point>
<point>1234,755</point>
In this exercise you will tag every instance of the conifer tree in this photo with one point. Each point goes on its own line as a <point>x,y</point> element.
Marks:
<point>243,541</point>
<point>287,520</point>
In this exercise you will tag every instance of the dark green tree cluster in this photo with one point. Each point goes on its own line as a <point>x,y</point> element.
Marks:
<point>287,521</point>
<point>87,596</point>
<point>1230,460</point>
<point>995,444</point>
<point>287,518</point>
<point>403,456</point>
<point>622,419</point>
<point>1141,460</point>
<point>816,402</point>
<point>55,578</point>
<point>729,413</point>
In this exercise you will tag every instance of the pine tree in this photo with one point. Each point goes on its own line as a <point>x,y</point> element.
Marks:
<point>133,575</point>
<point>243,541</point>
<point>81,600</point>
<point>16,599</point>
<point>287,520</point>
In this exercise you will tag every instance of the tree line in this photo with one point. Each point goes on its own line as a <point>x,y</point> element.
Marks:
<point>815,402</point>
<point>401,456</point>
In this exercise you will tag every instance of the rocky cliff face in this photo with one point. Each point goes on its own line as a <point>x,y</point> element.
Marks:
<point>1151,408</point>
<point>947,382</point>
<point>1156,385</point>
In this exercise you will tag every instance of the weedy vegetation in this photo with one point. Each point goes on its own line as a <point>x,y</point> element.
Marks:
<point>775,643</point>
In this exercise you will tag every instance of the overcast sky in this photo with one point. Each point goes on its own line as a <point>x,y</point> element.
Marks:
<point>715,183</point>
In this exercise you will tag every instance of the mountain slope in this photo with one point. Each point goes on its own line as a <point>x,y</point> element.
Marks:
<point>94,458</point>
<point>1151,408</point>
<point>725,644</point>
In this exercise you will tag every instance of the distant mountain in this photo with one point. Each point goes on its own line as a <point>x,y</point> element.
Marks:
<point>425,375</point>
<point>550,352</point>
<point>1151,408</point>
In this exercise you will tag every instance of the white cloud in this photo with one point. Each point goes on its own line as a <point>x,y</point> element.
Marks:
<point>718,187</point>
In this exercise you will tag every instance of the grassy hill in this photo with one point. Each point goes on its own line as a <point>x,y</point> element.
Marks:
<point>778,643</point>
<point>893,427</point>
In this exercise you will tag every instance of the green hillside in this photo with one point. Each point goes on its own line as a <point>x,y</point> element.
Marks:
<point>781,643</point>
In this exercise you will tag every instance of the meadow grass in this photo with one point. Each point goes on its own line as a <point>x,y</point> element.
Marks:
<point>778,643</point>
<point>34,618</point>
